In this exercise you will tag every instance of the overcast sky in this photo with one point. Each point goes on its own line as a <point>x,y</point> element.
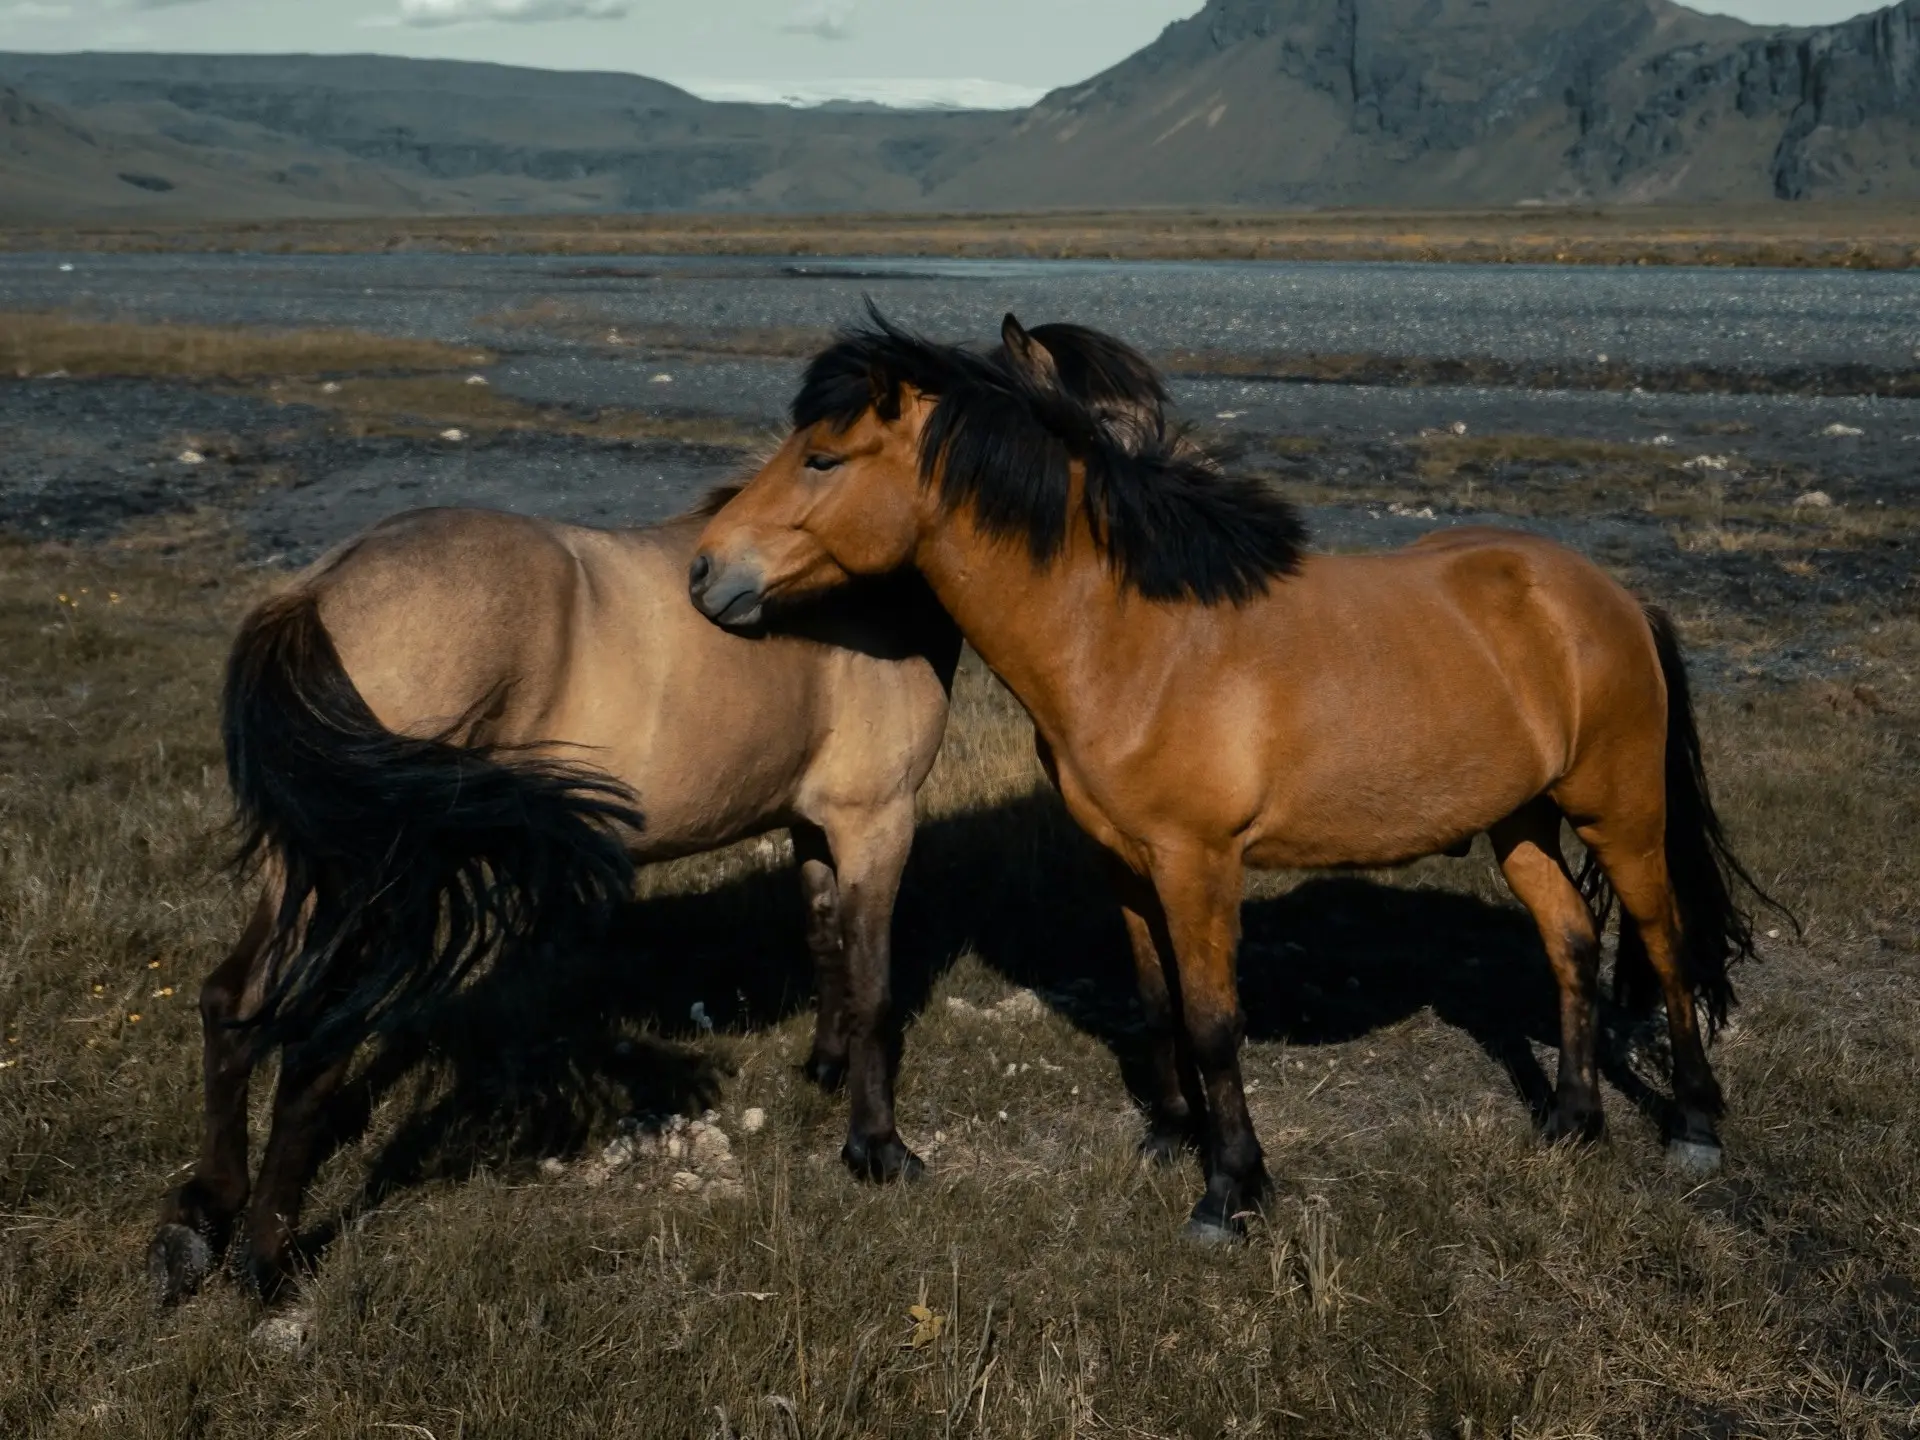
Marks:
<point>806,47</point>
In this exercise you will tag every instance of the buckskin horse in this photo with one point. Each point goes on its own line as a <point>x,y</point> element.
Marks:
<point>1208,695</point>
<point>439,739</point>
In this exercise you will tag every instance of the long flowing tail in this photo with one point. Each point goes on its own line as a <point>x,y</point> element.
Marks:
<point>402,862</point>
<point>1715,931</point>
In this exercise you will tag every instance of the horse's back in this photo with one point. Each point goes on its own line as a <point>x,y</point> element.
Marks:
<point>433,611</point>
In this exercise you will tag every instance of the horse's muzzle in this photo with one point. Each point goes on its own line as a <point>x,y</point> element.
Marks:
<point>727,593</point>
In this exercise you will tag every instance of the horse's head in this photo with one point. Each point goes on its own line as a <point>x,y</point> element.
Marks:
<point>846,496</point>
<point>839,499</point>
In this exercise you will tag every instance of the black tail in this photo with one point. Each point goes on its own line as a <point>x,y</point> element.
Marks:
<point>1715,932</point>
<point>404,861</point>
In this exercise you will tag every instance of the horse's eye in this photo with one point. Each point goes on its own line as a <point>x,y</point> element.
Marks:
<point>823,462</point>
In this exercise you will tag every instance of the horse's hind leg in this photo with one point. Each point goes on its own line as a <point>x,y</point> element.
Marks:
<point>1635,862</point>
<point>298,1143</point>
<point>870,854</point>
<point>196,1219</point>
<point>1527,844</point>
<point>826,940</point>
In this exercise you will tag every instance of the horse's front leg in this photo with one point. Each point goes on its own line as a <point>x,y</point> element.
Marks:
<point>1199,892</point>
<point>196,1218</point>
<point>870,854</point>
<point>827,943</point>
<point>1172,1125</point>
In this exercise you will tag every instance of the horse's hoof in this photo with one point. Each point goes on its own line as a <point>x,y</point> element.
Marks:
<point>829,1075</point>
<point>265,1275</point>
<point>178,1263</point>
<point>1577,1128</point>
<point>887,1163</point>
<point>1693,1157</point>
<point>1161,1149</point>
<point>1211,1232</point>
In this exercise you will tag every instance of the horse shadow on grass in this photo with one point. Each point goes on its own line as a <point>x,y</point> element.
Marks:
<point>542,1056</point>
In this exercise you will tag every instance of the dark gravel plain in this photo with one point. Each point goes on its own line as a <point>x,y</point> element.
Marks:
<point>78,459</point>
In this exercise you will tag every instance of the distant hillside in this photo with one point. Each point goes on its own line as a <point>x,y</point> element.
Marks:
<point>1250,102</point>
<point>443,136</point>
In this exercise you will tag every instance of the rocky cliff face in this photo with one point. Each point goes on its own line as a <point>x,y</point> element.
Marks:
<point>1462,101</point>
<point>1837,109</point>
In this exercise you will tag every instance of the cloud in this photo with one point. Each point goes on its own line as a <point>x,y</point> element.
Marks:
<point>154,4</point>
<point>823,20</point>
<point>525,12</point>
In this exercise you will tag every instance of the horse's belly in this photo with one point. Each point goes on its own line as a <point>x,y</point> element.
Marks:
<point>1393,809</point>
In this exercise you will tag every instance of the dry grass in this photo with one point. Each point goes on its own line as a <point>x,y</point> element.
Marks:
<point>1427,1268</point>
<point>1860,236</point>
<point>33,343</point>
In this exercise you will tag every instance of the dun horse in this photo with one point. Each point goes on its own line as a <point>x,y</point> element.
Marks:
<point>440,739</point>
<point>1207,696</point>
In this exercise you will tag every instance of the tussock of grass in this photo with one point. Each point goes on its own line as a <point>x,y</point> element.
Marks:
<point>34,343</point>
<point>1426,1269</point>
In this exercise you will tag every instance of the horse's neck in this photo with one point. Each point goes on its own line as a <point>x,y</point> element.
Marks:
<point>1061,636</point>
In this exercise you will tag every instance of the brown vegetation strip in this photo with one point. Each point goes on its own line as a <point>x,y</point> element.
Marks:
<point>38,343</point>
<point>1417,370</point>
<point>1853,236</point>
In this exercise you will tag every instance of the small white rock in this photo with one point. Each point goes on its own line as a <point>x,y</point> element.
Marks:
<point>1837,431</point>
<point>1813,500</point>
<point>191,457</point>
<point>676,1147</point>
<point>553,1166</point>
<point>66,269</point>
<point>454,434</point>
<point>662,379</point>
<point>685,1182</point>
<point>285,1334</point>
<point>1706,462</point>
<point>477,380</point>
<point>619,1153</point>
<point>332,387</point>
<point>752,1120</point>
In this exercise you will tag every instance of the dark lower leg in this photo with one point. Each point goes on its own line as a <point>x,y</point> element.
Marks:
<point>1170,1118</point>
<point>1576,1111</point>
<point>209,1201</point>
<point>1236,1170</point>
<point>1646,896</point>
<point>826,941</point>
<point>300,1140</point>
<point>871,859</point>
<point>1200,897</point>
<point>1527,844</point>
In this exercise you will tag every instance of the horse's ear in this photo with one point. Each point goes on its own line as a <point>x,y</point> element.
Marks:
<point>1031,360</point>
<point>883,390</point>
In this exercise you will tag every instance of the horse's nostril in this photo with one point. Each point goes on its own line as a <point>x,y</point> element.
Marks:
<point>701,568</point>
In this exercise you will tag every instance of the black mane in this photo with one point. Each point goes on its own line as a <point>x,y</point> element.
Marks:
<point>1000,442</point>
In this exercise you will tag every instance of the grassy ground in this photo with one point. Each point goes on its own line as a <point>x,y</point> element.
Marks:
<point>1859,236</point>
<point>493,1271</point>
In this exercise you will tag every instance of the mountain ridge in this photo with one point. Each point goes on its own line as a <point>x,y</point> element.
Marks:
<point>1269,103</point>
